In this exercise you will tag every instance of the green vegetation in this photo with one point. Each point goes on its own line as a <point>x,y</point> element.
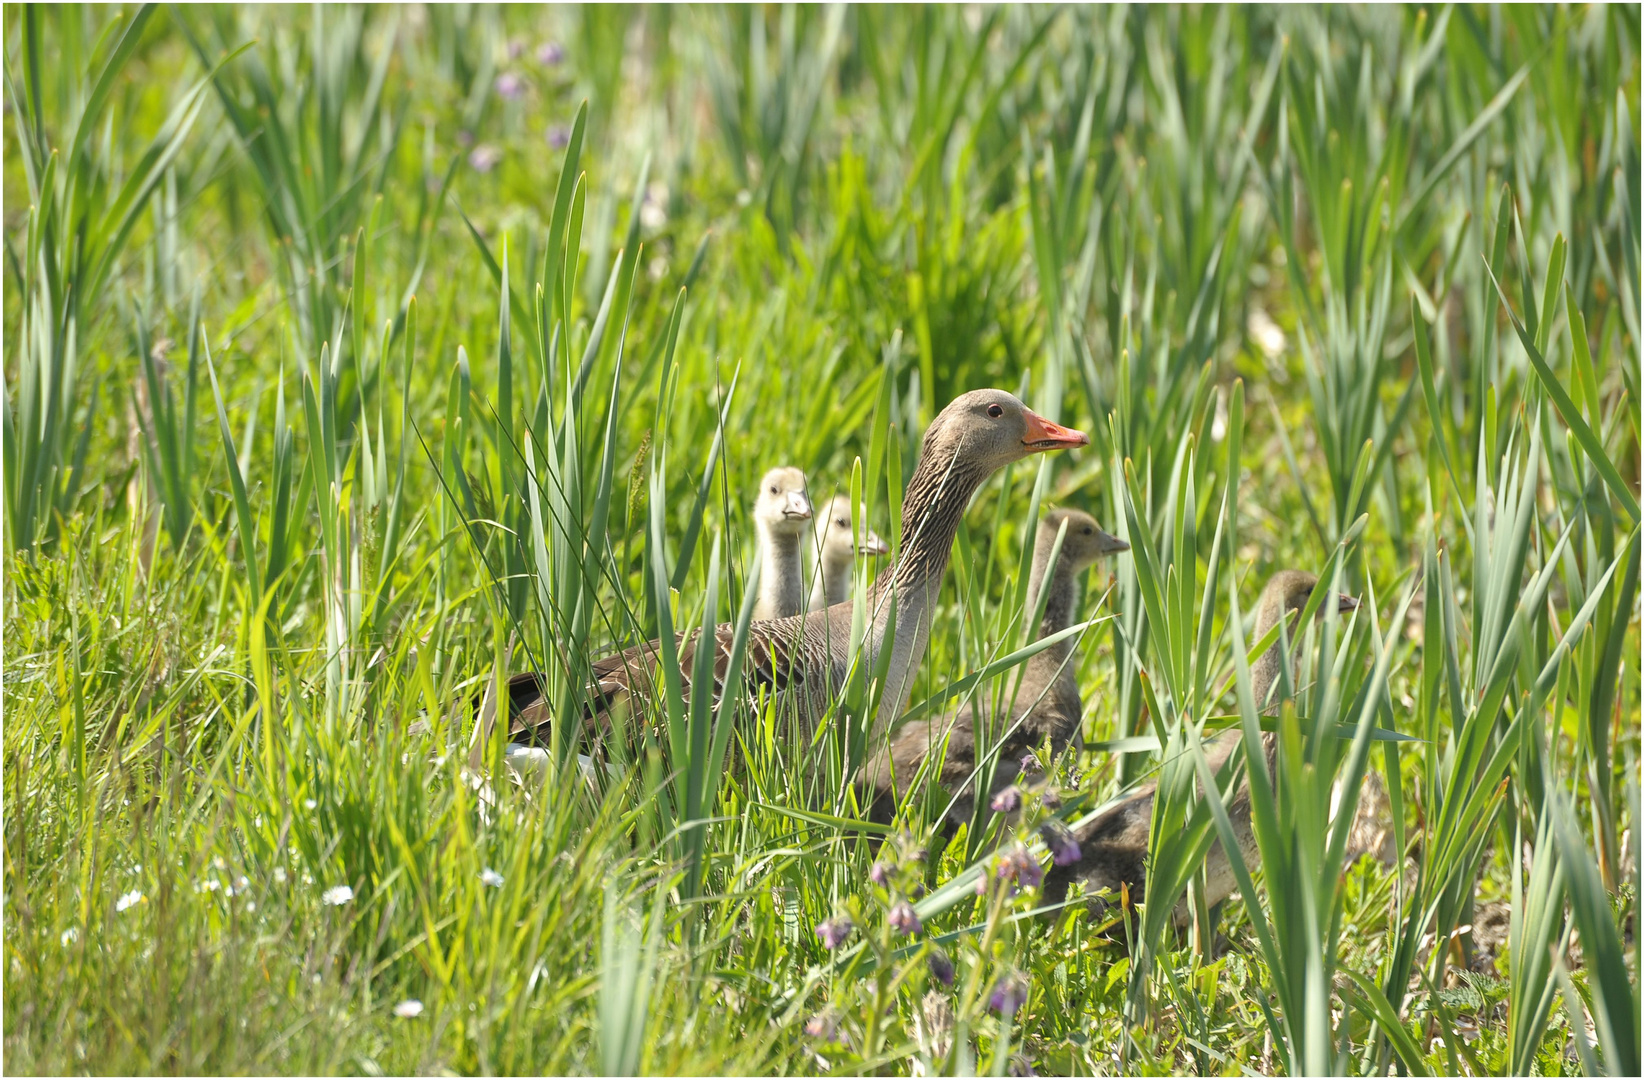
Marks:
<point>356,358</point>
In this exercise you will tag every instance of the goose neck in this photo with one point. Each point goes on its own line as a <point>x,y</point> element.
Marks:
<point>904,595</point>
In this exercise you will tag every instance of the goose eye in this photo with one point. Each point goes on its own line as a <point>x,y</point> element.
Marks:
<point>996,410</point>
<point>773,489</point>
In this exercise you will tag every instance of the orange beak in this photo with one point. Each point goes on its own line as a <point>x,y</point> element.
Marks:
<point>1041,434</point>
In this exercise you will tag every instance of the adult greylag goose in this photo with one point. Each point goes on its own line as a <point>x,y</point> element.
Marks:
<point>1113,847</point>
<point>836,552</point>
<point>781,516</point>
<point>1046,703</point>
<point>804,659</point>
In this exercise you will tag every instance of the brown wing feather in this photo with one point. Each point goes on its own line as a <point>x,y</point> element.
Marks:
<point>775,660</point>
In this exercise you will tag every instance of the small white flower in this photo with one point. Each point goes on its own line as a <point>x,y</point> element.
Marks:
<point>490,877</point>
<point>337,895</point>
<point>208,885</point>
<point>70,936</point>
<point>130,899</point>
<point>138,869</point>
<point>257,822</point>
<point>217,861</point>
<point>310,803</point>
<point>308,879</point>
<point>251,905</point>
<point>408,1009</point>
<point>279,875</point>
<point>1267,335</point>
<point>242,883</point>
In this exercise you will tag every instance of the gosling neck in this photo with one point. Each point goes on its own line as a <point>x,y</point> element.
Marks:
<point>1058,614</point>
<point>780,578</point>
<point>1265,672</point>
<point>833,576</point>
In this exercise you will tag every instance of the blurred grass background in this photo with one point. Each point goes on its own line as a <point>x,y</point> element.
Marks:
<point>356,354</point>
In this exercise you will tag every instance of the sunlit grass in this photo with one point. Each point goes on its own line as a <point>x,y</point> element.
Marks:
<point>359,358</point>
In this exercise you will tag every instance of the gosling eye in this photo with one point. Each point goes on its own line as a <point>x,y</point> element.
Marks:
<point>842,523</point>
<point>1087,530</point>
<point>773,489</point>
<point>996,410</point>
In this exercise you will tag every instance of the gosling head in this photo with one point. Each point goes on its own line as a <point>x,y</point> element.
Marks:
<point>1290,590</point>
<point>834,538</point>
<point>991,428</point>
<point>1085,541</point>
<point>784,506</point>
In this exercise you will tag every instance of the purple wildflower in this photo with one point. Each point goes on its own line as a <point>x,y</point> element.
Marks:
<point>484,157</point>
<point>1019,865</point>
<point>1020,1066</point>
<point>516,48</point>
<point>903,919</point>
<point>834,931</point>
<point>941,967</point>
<point>510,86</point>
<point>880,873</point>
<point>1051,799</point>
<point>1030,764</point>
<point>1028,871</point>
<point>1009,994</point>
<point>1064,847</point>
<point>1008,801</point>
<point>559,136</point>
<point>822,1025</point>
<point>550,52</point>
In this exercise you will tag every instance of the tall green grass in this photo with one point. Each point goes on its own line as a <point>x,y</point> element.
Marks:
<point>475,414</point>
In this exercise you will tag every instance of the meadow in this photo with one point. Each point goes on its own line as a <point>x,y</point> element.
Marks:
<point>356,358</point>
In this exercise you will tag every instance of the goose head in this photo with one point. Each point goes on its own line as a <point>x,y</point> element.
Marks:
<point>835,540</point>
<point>784,506</point>
<point>1085,541</point>
<point>988,429</point>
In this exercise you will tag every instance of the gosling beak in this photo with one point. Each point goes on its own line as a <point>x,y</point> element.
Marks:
<point>797,508</point>
<point>1108,544</point>
<point>873,545</point>
<point>1347,603</point>
<point>1041,434</point>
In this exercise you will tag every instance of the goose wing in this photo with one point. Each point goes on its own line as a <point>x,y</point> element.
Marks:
<point>780,657</point>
